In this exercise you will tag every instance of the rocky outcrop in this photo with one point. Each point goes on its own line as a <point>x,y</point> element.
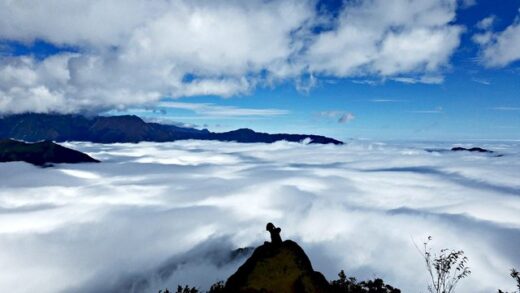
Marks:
<point>277,268</point>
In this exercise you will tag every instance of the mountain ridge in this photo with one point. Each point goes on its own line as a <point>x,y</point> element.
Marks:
<point>40,153</point>
<point>34,127</point>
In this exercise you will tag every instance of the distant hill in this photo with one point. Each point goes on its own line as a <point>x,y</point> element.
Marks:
<point>127,128</point>
<point>40,153</point>
<point>473,149</point>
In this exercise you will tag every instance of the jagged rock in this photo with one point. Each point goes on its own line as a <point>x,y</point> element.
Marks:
<point>272,268</point>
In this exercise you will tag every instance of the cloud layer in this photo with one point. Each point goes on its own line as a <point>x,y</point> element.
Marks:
<point>156,215</point>
<point>185,48</point>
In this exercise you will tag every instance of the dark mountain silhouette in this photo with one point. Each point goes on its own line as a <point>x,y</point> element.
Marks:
<point>40,153</point>
<point>473,149</point>
<point>128,128</point>
<point>277,268</point>
<point>463,149</point>
<point>280,266</point>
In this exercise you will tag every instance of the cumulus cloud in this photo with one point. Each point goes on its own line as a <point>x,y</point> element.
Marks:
<point>155,215</point>
<point>499,49</point>
<point>146,55</point>
<point>387,38</point>
<point>185,48</point>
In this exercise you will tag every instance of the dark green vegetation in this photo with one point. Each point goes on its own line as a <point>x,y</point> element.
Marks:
<point>351,285</point>
<point>100,129</point>
<point>40,153</point>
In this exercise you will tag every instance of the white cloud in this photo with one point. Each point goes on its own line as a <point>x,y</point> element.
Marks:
<point>94,23</point>
<point>499,49</point>
<point>212,110</point>
<point>367,81</point>
<point>185,48</point>
<point>426,79</point>
<point>146,54</point>
<point>149,206</point>
<point>481,81</point>
<point>387,38</point>
<point>468,3</point>
<point>486,23</point>
<point>346,117</point>
<point>340,116</point>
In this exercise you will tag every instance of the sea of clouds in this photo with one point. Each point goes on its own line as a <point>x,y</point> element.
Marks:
<point>154,215</point>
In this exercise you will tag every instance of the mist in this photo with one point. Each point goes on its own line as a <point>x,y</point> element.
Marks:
<point>154,215</point>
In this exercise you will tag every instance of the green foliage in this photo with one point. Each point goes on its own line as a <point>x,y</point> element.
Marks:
<point>350,285</point>
<point>515,275</point>
<point>446,269</point>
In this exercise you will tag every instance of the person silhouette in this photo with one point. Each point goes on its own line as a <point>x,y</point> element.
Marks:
<point>275,234</point>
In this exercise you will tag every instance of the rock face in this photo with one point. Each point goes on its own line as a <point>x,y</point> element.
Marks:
<point>40,153</point>
<point>127,128</point>
<point>277,268</point>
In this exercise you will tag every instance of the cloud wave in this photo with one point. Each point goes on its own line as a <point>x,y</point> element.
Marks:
<point>155,215</point>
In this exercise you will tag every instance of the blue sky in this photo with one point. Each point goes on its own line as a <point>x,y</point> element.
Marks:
<point>428,70</point>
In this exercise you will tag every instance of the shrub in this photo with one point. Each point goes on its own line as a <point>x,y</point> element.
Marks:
<point>445,269</point>
<point>350,285</point>
<point>181,289</point>
<point>218,287</point>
